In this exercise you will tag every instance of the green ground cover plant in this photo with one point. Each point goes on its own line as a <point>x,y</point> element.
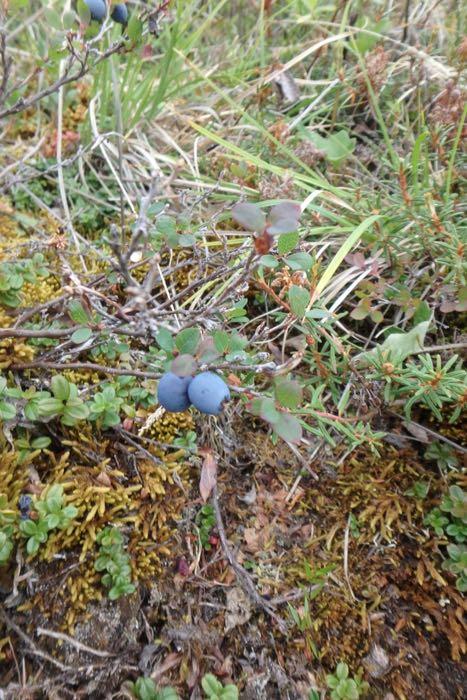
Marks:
<point>232,343</point>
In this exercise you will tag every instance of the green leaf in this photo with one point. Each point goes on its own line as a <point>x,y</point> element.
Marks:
<point>54,493</point>
<point>221,341</point>
<point>211,685</point>
<point>186,240</point>
<point>28,527</point>
<point>167,693</point>
<point>187,340</point>
<point>81,335</point>
<point>135,28</point>
<point>337,146</point>
<point>288,427</point>
<point>344,250</point>
<point>164,339</point>
<point>70,512</point>
<point>287,242</point>
<point>299,298</point>
<point>288,393</point>
<point>299,261</point>
<point>52,520</point>
<point>400,345</point>
<point>32,545</point>
<point>40,443</point>
<point>60,387</point>
<point>268,411</point>
<point>115,593</point>
<point>68,20</point>
<point>53,18</point>
<point>342,671</point>
<point>423,313</point>
<point>7,411</point>
<point>84,12</point>
<point>268,261</point>
<point>145,689</point>
<point>249,216</point>
<point>18,4</point>
<point>49,407</point>
<point>75,413</point>
<point>77,313</point>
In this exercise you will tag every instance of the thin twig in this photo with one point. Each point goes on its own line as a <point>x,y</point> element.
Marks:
<point>60,332</point>
<point>436,435</point>
<point>64,79</point>
<point>33,647</point>
<point>346,558</point>
<point>91,366</point>
<point>74,642</point>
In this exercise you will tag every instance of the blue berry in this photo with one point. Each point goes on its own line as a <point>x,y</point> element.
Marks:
<point>97,9</point>
<point>172,392</point>
<point>120,13</point>
<point>24,505</point>
<point>24,502</point>
<point>207,392</point>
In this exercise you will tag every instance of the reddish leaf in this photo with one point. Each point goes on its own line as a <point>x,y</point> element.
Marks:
<point>233,380</point>
<point>184,366</point>
<point>263,243</point>
<point>182,567</point>
<point>249,216</point>
<point>283,218</point>
<point>207,351</point>
<point>208,477</point>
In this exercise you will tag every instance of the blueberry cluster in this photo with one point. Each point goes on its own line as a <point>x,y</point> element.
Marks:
<point>98,10</point>
<point>207,392</point>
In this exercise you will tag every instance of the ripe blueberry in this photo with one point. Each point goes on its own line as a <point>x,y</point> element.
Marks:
<point>172,392</point>
<point>24,505</point>
<point>120,13</point>
<point>97,9</point>
<point>207,392</point>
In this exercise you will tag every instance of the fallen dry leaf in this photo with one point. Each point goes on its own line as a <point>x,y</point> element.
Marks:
<point>208,477</point>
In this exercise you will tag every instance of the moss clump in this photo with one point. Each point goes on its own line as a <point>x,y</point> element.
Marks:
<point>39,292</point>
<point>13,350</point>
<point>81,377</point>
<point>141,497</point>
<point>6,320</point>
<point>166,426</point>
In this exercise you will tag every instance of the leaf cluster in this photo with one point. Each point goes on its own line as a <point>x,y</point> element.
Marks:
<point>113,559</point>
<point>7,528</point>
<point>216,691</point>
<point>145,689</point>
<point>13,275</point>
<point>64,402</point>
<point>342,686</point>
<point>205,520</point>
<point>52,514</point>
